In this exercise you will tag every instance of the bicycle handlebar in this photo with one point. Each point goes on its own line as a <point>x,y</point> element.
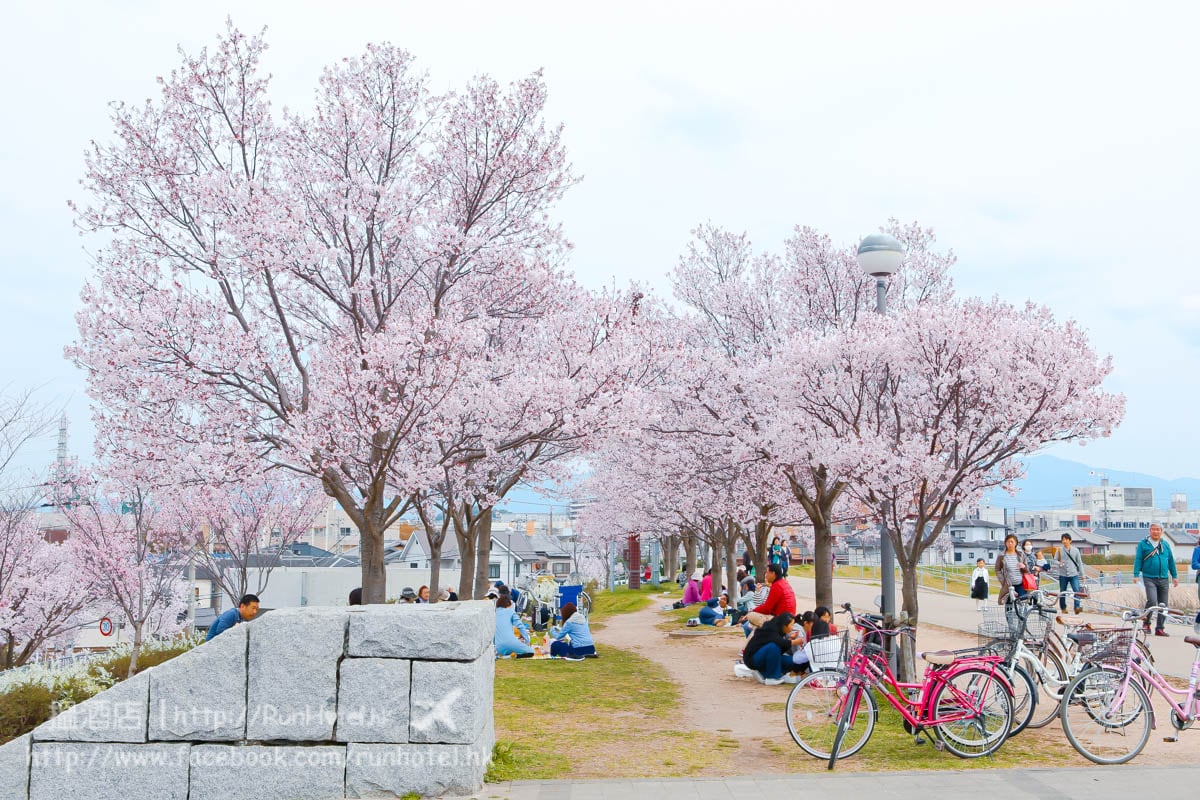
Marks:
<point>863,622</point>
<point>1131,616</point>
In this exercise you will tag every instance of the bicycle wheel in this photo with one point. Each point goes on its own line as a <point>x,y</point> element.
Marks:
<point>987,704</point>
<point>584,604</point>
<point>1024,698</point>
<point>1103,723</point>
<point>855,724</point>
<point>814,707</point>
<point>1049,680</point>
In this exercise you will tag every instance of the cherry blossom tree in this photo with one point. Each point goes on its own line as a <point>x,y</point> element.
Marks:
<point>927,411</point>
<point>39,593</point>
<point>544,389</point>
<point>752,306</point>
<point>308,290</point>
<point>42,592</point>
<point>131,548</point>
<point>245,527</point>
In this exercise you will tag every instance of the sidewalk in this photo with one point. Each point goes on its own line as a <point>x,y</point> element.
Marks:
<point>1172,655</point>
<point>1163,783</point>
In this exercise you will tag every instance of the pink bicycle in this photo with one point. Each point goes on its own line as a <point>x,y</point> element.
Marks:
<point>965,699</point>
<point>1108,717</point>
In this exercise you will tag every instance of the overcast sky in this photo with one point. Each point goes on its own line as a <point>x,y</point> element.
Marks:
<point>1051,145</point>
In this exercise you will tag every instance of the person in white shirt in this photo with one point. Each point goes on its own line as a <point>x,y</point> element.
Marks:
<point>979,584</point>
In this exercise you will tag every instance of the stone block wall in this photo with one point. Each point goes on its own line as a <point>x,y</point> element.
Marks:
<point>302,704</point>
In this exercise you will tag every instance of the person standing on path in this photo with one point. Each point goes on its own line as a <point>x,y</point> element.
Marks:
<point>1155,563</point>
<point>780,555</point>
<point>1070,570</point>
<point>1196,572</point>
<point>979,584</point>
<point>1010,567</point>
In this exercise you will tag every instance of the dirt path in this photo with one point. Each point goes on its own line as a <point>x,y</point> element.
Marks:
<point>751,713</point>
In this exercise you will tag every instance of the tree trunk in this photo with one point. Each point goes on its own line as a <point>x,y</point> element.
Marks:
<point>731,569</point>
<point>823,563</point>
<point>483,553</point>
<point>136,651</point>
<point>9,649</point>
<point>762,542</point>
<point>466,552</point>
<point>910,581</point>
<point>374,576</point>
<point>670,547</point>
<point>435,570</point>
<point>689,544</point>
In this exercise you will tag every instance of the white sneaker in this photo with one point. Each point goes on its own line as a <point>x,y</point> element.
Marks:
<point>742,671</point>
<point>790,679</point>
<point>772,681</point>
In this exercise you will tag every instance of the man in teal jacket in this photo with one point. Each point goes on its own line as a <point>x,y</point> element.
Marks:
<point>1155,563</point>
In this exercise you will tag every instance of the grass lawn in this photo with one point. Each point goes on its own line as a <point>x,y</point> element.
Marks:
<point>953,579</point>
<point>624,600</point>
<point>600,718</point>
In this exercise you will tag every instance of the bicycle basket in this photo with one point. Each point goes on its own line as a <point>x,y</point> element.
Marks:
<point>827,652</point>
<point>1038,624</point>
<point>1111,647</point>
<point>997,638</point>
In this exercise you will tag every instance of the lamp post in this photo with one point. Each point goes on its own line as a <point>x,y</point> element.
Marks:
<point>880,256</point>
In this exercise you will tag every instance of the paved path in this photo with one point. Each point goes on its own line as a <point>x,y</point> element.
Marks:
<point>1159,783</point>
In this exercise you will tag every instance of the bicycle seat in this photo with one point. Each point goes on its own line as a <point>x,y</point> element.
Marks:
<point>1194,641</point>
<point>1082,637</point>
<point>940,658</point>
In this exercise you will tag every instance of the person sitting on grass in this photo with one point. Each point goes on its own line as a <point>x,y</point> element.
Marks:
<point>691,592</point>
<point>780,599</point>
<point>706,587</point>
<point>716,612</point>
<point>753,595</point>
<point>247,610</point>
<point>573,639</point>
<point>822,623</point>
<point>512,634</point>
<point>769,651</point>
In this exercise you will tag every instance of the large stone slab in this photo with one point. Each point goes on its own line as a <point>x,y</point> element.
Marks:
<point>429,770</point>
<point>373,700</point>
<point>201,695</point>
<point>117,714</point>
<point>84,771</point>
<point>221,772</point>
<point>442,631</point>
<point>451,700</point>
<point>14,769</point>
<point>292,680</point>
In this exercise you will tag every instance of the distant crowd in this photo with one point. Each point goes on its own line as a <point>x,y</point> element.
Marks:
<point>781,645</point>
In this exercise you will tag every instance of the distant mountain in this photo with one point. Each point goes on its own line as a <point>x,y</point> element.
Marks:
<point>1049,480</point>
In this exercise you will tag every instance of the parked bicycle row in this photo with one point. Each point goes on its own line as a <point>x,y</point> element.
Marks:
<point>1031,666</point>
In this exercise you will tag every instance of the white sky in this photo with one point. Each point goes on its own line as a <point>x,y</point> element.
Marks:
<point>1052,145</point>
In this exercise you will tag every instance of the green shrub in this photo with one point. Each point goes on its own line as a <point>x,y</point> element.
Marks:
<point>506,764</point>
<point>1113,560</point>
<point>32,695</point>
<point>23,707</point>
<point>116,663</point>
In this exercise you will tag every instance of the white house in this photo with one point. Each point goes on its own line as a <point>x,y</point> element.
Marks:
<point>976,538</point>
<point>513,555</point>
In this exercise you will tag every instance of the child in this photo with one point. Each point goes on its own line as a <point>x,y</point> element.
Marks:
<point>979,584</point>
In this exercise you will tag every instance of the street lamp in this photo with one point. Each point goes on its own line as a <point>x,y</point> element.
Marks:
<point>880,256</point>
